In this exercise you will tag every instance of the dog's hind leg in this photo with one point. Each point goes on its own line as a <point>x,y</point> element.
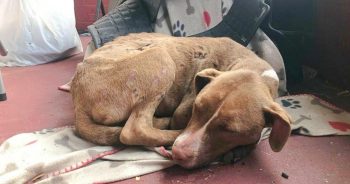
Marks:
<point>99,134</point>
<point>139,129</point>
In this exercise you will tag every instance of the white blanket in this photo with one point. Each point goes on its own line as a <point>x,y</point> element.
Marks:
<point>59,156</point>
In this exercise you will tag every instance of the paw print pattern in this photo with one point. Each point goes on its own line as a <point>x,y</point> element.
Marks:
<point>190,8</point>
<point>291,103</point>
<point>223,8</point>
<point>179,29</point>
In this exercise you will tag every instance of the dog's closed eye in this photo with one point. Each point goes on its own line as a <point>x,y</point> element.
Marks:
<point>225,125</point>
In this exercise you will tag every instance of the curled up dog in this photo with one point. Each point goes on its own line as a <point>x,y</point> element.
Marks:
<point>204,96</point>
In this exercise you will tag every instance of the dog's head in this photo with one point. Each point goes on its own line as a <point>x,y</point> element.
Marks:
<point>230,110</point>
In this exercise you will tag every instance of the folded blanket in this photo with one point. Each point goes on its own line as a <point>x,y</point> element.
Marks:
<point>313,116</point>
<point>59,156</point>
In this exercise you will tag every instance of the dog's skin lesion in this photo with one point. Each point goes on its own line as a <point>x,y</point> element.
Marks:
<point>140,90</point>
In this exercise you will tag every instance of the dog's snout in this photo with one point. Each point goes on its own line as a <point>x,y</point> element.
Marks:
<point>180,154</point>
<point>184,156</point>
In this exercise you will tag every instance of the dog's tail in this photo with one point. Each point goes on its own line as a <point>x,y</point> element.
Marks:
<point>86,128</point>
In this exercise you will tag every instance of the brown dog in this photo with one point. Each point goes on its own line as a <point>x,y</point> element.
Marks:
<point>218,91</point>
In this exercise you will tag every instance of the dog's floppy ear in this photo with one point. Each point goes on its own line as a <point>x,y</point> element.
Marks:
<point>280,121</point>
<point>203,77</point>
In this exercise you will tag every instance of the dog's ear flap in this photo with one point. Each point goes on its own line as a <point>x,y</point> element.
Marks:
<point>280,121</point>
<point>203,77</point>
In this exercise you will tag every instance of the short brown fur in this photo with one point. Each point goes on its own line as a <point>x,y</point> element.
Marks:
<point>202,85</point>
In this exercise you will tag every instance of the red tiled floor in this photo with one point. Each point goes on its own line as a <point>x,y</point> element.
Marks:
<point>35,103</point>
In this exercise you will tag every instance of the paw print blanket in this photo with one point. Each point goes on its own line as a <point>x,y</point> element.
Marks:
<point>313,116</point>
<point>186,18</point>
<point>59,156</point>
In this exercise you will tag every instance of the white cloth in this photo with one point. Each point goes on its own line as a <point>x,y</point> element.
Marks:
<point>37,31</point>
<point>59,156</point>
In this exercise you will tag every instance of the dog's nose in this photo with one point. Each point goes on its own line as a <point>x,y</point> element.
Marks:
<point>181,155</point>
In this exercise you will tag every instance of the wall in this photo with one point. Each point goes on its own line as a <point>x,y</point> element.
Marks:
<point>332,34</point>
<point>322,36</point>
